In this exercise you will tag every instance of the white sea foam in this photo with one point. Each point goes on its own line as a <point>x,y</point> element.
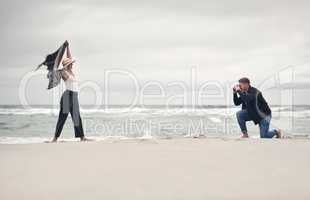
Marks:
<point>22,140</point>
<point>283,111</point>
<point>25,111</point>
<point>37,140</point>
<point>32,140</point>
<point>215,119</point>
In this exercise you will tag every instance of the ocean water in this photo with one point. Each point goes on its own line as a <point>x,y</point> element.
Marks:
<point>37,123</point>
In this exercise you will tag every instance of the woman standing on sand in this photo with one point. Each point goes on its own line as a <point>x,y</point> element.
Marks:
<point>69,100</point>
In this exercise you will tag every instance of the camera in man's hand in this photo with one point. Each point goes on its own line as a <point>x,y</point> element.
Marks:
<point>236,88</point>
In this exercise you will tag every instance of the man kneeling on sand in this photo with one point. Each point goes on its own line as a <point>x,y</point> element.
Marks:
<point>254,108</point>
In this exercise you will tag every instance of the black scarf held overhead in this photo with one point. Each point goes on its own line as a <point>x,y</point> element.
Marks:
<point>52,62</point>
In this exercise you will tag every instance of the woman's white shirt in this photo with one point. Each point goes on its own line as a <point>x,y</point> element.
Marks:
<point>71,83</point>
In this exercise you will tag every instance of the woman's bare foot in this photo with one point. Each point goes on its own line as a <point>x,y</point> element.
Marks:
<point>53,140</point>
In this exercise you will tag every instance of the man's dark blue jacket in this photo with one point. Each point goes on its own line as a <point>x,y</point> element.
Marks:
<point>254,102</point>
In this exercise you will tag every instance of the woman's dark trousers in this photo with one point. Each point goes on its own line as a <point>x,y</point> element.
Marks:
<point>69,103</point>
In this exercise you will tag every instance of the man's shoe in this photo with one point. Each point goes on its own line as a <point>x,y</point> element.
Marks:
<point>279,133</point>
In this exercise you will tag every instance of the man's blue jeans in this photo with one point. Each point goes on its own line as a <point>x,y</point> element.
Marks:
<point>243,117</point>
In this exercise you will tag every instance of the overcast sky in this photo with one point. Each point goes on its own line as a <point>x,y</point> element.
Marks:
<point>159,40</point>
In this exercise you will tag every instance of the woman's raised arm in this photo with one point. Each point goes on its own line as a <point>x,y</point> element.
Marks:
<point>68,52</point>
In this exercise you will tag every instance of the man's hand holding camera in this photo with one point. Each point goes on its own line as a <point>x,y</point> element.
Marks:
<point>236,88</point>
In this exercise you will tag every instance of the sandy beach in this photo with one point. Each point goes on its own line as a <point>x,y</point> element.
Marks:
<point>157,169</point>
